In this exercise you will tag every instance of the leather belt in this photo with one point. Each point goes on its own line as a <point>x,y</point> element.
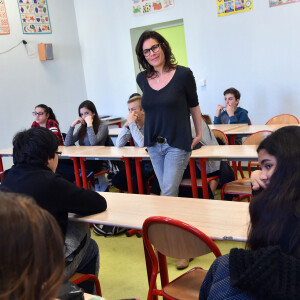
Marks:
<point>161,140</point>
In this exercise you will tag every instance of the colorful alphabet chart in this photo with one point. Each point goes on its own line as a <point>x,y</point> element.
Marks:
<point>4,27</point>
<point>140,7</point>
<point>281,2</point>
<point>34,16</point>
<point>229,7</point>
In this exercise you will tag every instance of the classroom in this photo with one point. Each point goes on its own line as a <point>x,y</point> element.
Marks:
<point>93,42</point>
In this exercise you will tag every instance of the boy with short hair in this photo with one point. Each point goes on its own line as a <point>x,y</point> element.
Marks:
<point>231,113</point>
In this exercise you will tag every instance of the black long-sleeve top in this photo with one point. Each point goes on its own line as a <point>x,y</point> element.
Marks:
<point>167,111</point>
<point>52,192</point>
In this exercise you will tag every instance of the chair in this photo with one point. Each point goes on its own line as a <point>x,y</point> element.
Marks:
<point>283,119</point>
<point>78,278</point>
<point>175,239</point>
<point>219,134</point>
<point>242,187</point>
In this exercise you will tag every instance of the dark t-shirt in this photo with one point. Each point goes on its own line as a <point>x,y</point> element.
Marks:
<point>167,111</point>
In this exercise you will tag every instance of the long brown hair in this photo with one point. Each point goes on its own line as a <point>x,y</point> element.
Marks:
<point>170,61</point>
<point>31,250</point>
<point>275,211</point>
<point>96,120</point>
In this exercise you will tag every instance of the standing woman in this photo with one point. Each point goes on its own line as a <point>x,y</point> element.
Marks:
<point>91,132</point>
<point>45,117</point>
<point>169,97</point>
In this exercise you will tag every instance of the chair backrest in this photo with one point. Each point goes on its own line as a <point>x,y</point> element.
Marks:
<point>257,137</point>
<point>176,239</point>
<point>219,134</point>
<point>283,119</point>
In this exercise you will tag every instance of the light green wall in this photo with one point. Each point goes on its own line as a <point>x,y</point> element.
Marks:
<point>175,36</point>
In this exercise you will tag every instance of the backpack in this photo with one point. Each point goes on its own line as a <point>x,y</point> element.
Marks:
<point>107,230</point>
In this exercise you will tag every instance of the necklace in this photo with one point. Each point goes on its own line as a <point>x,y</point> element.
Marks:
<point>157,80</point>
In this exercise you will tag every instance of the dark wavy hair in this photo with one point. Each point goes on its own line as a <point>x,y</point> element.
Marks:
<point>96,120</point>
<point>49,111</point>
<point>34,146</point>
<point>170,61</point>
<point>275,211</point>
<point>31,250</point>
<point>233,91</point>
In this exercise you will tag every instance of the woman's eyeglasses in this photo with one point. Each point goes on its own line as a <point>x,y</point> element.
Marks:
<point>154,49</point>
<point>34,113</point>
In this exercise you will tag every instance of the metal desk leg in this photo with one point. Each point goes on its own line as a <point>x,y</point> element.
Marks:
<point>139,175</point>
<point>204,177</point>
<point>76,171</point>
<point>128,174</point>
<point>83,172</point>
<point>193,178</point>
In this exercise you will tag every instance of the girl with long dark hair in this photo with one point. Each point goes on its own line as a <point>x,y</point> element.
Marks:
<point>269,268</point>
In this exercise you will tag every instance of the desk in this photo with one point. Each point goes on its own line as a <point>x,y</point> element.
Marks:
<point>220,220</point>
<point>226,127</point>
<point>226,152</point>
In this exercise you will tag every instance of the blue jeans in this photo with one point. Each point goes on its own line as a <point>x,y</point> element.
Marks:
<point>169,164</point>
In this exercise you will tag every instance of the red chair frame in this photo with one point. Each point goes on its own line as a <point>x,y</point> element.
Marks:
<point>161,260</point>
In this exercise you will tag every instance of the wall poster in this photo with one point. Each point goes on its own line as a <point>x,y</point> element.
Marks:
<point>229,7</point>
<point>281,2</point>
<point>140,7</point>
<point>34,16</point>
<point>4,27</point>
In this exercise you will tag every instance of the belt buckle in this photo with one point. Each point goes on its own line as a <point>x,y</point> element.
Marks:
<point>160,140</point>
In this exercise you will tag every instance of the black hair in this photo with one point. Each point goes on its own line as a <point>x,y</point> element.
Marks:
<point>170,61</point>
<point>233,91</point>
<point>275,211</point>
<point>34,146</point>
<point>49,111</point>
<point>96,120</point>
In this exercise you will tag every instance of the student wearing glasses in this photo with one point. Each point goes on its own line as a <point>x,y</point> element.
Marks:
<point>35,157</point>
<point>45,117</point>
<point>169,97</point>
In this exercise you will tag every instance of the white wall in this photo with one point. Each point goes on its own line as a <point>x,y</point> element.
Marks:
<point>25,81</point>
<point>257,52</point>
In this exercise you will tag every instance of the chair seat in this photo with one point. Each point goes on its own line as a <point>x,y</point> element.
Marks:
<point>187,286</point>
<point>240,186</point>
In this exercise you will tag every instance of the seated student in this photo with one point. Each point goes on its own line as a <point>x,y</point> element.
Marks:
<point>270,267</point>
<point>231,113</point>
<point>35,160</point>
<point>92,132</point>
<point>134,128</point>
<point>31,250</point>
<point>212,167</point>
<point>45,117</point>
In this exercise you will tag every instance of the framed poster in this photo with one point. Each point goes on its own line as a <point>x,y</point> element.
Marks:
<point>4,26</point>
<point>229,7</point>
<point>34,16</point>
<point>281,2</point>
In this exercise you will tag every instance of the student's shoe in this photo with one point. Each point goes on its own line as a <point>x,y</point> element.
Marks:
<point>183,263</point>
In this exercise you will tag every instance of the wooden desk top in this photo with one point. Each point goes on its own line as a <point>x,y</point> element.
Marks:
<point>220,220</point>
<point>250,129</point>
<point>226,127</point>
<point>231,152</point>
<point>104,152</point>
